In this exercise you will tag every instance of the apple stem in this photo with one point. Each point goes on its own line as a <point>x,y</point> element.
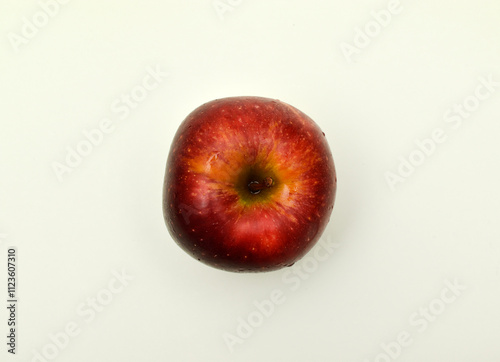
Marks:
<point>256,186</point>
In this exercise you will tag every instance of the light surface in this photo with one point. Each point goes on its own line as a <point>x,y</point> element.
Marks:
<point>408,272</point>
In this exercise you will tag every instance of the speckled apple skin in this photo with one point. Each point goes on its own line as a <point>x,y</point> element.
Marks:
<point>222,146</point>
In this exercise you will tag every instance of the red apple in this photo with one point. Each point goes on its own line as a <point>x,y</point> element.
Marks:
<point>250,184</point>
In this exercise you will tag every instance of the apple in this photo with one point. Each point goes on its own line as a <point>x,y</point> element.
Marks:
<point>250,184</point>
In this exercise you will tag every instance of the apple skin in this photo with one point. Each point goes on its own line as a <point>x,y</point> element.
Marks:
<point>227,144</point>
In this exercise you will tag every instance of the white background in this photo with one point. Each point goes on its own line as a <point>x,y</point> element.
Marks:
<point>397,247</point>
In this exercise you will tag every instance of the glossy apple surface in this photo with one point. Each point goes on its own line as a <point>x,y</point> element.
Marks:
<point>250,184</point>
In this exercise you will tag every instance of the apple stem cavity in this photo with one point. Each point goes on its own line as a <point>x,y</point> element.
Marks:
<point>255,186</point>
